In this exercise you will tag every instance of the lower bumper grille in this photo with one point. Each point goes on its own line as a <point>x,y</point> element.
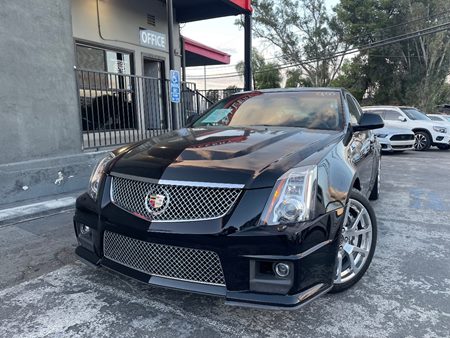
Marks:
<point>402,137</point>
<point>194,265</point>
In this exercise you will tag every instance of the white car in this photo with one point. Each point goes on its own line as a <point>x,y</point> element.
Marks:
<point>440,118</point>
<point>427,132</point>
<point>393,139</point>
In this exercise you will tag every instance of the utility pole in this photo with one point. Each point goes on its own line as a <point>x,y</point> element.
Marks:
<point>174,106</point>
<point>248,85</point>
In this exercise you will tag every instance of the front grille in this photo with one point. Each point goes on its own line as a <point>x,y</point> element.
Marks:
<point>177,202</point>
<point>402,137</point>
<point>194,265</point>
<point>401,147</point>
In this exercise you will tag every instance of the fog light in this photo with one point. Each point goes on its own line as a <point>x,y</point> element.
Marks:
<point>84,229</point>
<point>282,269</point>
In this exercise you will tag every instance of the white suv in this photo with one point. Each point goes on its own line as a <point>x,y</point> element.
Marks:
<point>427,132</point>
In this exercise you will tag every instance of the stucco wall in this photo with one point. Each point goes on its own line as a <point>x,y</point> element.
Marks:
<point>120,22</point>
<point>38,100</point>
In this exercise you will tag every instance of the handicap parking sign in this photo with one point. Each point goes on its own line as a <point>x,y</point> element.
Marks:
<point>175,90</point>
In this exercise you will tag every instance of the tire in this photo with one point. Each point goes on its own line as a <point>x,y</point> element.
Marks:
<point>422,141</point>
<point>375,193</point>
<point>359,218</point>
<point>443,146</point>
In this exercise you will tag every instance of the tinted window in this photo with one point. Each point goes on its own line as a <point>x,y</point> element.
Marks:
<point>392,115</point>
<point>309,109</point>
<point>355,113</point>
<point>415,114</point>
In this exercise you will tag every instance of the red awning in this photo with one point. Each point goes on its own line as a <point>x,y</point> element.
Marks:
<point>244,4</point>
<point>198,54</point>
<point>195,10</point>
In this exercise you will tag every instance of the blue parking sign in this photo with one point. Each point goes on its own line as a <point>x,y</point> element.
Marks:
<point>175,88</point>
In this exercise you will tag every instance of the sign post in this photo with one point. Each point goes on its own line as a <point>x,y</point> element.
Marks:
<point>175,86</point>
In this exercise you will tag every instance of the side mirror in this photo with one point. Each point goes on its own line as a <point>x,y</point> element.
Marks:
<point>369,121</point>
<point>191,119</point>
<point>402,118</point>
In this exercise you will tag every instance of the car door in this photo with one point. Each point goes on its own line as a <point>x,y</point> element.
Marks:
<point>362,152</point>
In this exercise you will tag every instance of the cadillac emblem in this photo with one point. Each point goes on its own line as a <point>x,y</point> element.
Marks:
<point>156,203</point>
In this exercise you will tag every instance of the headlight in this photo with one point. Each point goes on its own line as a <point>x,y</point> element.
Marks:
<point>382,135</point>
<point>440,129</point>
<point>97,175</point>
<point>292,198</point>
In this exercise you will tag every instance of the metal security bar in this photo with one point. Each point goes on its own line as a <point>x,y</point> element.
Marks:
<point>119,108</point>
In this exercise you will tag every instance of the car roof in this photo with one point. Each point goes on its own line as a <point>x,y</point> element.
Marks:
<point>386,106</point>
<point>291,90</point>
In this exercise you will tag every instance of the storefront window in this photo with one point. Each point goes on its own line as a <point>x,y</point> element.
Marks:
<point>105,82</point>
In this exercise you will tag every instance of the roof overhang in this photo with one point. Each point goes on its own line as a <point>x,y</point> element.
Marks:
<point>198,54</point>
<point>195,10</point>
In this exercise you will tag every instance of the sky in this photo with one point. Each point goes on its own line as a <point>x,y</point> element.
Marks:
<point>224,35</point>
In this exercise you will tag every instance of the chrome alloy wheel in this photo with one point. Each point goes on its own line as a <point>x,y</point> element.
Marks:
<point>356,242</point>
<point>420,141</point>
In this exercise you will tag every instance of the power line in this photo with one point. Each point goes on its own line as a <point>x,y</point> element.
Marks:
<point>378,44</point>
<point>417,19</point>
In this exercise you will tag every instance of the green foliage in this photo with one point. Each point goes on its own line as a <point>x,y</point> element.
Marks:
<point>295,78</point>
<point>353,77</point>
<point>302,30</point>
<point>265,74</point>
<point>411,72</point>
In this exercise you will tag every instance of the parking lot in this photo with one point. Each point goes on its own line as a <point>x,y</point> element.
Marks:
<point>45,291</point>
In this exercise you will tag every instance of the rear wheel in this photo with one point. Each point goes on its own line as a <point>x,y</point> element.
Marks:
<point>443,146</point>
<point>422,141</point>
<point>358,241</point>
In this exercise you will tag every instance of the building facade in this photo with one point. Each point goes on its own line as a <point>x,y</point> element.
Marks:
<point>82,76</point>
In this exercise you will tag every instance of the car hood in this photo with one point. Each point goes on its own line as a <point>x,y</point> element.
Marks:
<point>393,130</point>
<point>253,157</point>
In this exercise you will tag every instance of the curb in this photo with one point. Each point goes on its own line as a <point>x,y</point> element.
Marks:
<point>35,210</point>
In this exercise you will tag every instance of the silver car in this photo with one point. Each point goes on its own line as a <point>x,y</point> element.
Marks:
<point>395,139</point>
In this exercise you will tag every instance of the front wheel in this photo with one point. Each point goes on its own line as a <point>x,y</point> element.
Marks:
<point>422,141</point>
<point>357,242</point>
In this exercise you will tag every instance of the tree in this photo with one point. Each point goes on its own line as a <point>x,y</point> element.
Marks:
<point>295,78</point>
<point>265,74</point>
<point>411,72</point>
<point>302,30</point>
<point>353,77</point>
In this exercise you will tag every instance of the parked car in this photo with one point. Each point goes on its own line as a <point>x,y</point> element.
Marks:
<point>440,118</point>
<point>427,132</point>
<point>263,200</point>
<point>394,139</point>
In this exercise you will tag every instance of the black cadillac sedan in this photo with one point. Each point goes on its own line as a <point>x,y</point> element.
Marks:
<point>263,200</point>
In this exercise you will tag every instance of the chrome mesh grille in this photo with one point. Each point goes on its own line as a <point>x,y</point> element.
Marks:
<point>181,203</point>
<point>187,264</point>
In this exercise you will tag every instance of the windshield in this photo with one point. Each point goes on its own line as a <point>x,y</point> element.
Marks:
<point>311,109</point>
<point>415,114</point>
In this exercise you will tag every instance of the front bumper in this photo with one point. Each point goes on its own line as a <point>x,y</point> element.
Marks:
<point>392,146</point>
<point>441,139</point>
<point>245,251</point>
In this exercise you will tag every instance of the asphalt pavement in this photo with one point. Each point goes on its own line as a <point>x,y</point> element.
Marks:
<point>46,292</point>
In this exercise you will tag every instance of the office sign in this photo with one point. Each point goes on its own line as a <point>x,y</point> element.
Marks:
<point>152,39</point>
<point>175,86</point>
